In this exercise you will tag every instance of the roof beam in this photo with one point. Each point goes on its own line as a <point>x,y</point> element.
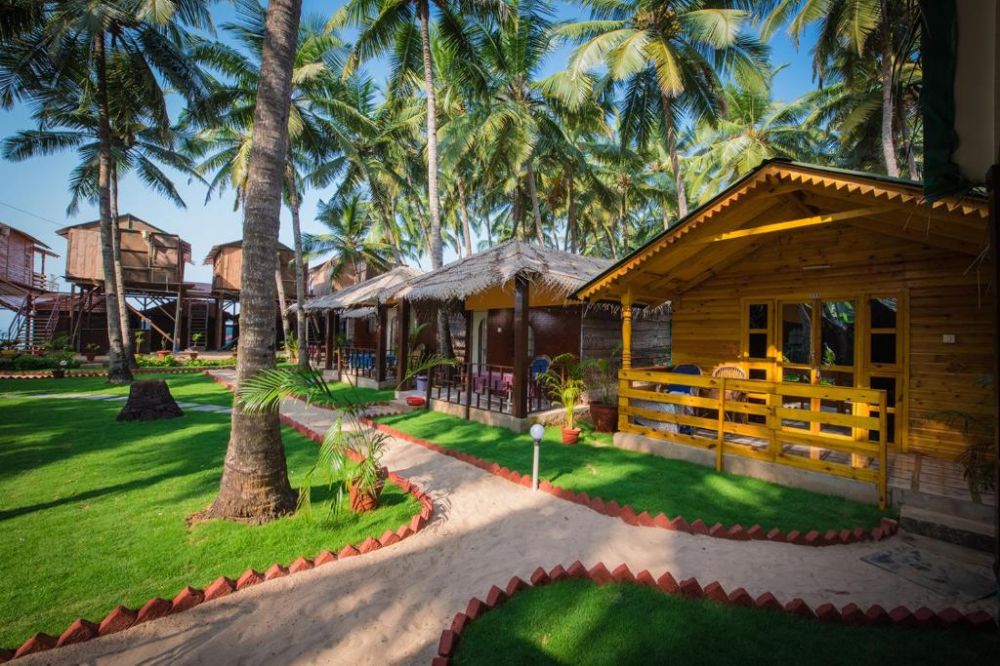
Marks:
<point>813,221</point>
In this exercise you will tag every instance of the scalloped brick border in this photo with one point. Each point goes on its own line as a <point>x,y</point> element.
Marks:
<point>71,374</point>
<point>887,527</point>
<point>122,618</point>
<point>850,614</point>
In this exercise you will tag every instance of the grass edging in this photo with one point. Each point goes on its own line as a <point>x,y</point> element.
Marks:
<point>887,526</point>
<point>122,618</point>
<point>850,614</point>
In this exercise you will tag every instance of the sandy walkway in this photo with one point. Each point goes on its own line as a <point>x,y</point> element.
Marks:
<point>391,605</point>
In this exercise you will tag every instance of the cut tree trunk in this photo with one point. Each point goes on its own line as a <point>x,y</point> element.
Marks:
<point>118,371</point>
<point>254,486</point>
<point>149,400</point>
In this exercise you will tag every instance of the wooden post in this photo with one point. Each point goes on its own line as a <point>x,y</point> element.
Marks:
<point>73,342</point>
<point>220,321</point>
<point>468,363</point>
<point>380,326</point>
<point>336,331</point>
<point>627,330</point>
<point>883,446</point>
<point>330,337</point>
<point>721,434</point>
<point>403,341</point>
<point>519,399</point>
<point>992,182</point>
<point>178,315</point>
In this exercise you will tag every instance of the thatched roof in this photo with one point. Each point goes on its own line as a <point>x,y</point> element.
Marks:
<point>364,294</point>
<point>555,270</point>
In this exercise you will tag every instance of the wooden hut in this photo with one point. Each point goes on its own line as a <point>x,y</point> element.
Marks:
<point>515,303</point>
<point>373,344</point>
<point>22,282</point>
<point>834,317</point>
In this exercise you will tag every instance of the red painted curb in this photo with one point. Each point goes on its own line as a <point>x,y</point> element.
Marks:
<point>887,526</point>
<point>848,615</point>
<point>122,618</point>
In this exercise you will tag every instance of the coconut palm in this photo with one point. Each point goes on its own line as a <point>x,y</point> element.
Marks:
<point>349,225</point>
<point>753,128</point>
<point>874,31</point>
<point>254,485</point>
<point>72,43</point>
<point>669,57</point>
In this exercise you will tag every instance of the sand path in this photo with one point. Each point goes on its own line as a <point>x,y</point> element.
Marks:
<point>391,605</point>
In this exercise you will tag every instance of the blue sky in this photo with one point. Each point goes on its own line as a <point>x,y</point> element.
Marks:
<point>33,194</point>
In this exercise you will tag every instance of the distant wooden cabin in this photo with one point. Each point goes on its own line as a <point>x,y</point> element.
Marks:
<point>226,261</point>
<point>22,262</point>
<point>815,294</point>
<point>320,280</point>
<point>152,259</point>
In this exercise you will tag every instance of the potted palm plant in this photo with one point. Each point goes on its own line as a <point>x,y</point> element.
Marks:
<point>564,379</point>
<point>140,338</point>
<point>164,348</point>
<point>195,343</point>
<point>602,380</point>
<point>90,351</point>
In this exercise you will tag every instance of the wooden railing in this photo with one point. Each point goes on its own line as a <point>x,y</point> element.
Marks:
<point>361,362</point>
<point>834,430</point>
<point>486,387</point>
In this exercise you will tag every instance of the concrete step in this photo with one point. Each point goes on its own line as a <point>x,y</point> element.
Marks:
<point>960,507</point>
<point>971,533</point>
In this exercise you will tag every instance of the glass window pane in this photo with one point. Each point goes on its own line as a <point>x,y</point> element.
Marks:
<point>883,348</point>
<point>887,384</point>
<point>758,373</point>
<point>883,312</point>
<point>758,345</point>
<point>836,378</point>
<point>796,340</point>
<point>838,333</point>
<point>758,315</point>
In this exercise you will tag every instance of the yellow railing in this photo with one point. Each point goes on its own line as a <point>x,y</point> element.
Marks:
<point>834,430</point>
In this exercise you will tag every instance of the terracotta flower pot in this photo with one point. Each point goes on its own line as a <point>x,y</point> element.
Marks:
<point>605,416</point>
<point>58,373</point>
<point>194,356</point>
<point>367,500</point>
<point>163,353</point>
<point>570,435</point>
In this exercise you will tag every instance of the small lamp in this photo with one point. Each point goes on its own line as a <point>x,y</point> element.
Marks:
<point>537,432</point>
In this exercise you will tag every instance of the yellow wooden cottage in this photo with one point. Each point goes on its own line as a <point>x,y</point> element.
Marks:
<point>823,320</point>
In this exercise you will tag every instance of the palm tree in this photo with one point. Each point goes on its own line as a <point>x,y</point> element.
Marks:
<point>74,41</point>
<point>228,115</point>
<point>254,485</point>
<point>349,224</point>
<point>753,128</point>
<point>880,31</point>
<point>669,56</point>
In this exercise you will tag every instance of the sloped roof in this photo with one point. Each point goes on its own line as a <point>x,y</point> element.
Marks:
<point>558,271</point>
<point>370,292</point>
<point>210,257</point>
<point>124,217</point>
<point>892,206</point>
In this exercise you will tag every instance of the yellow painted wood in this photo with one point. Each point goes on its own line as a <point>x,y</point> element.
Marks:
<point>627,330</point>
<point>797,224</point>
<point>830,418</point>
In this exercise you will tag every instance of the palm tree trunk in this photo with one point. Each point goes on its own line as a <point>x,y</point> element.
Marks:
<point>434,242</point>
<point>571,214</point>
<point>675,164</point>
<point>907,140</point>
<point>254,484</point>
<point>128,347</point>
<point>118,371</point>
<point>466,226</point>
<point>286,326</point>
<point>535,211</point>
<point>300,277</point>
<point>888,145</point>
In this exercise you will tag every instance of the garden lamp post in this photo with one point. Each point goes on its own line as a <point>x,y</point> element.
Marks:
<point>537,432</point>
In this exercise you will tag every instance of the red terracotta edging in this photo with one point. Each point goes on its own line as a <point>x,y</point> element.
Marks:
<point>850,614</point>
<point>122,618</point>
<point>887,527</point>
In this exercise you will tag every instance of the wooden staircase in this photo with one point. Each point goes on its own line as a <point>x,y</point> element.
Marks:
<point>197,321</point>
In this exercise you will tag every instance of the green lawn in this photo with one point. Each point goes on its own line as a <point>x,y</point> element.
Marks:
<point>93,511</point>
<point>577,622</point>
<point>646,482</point>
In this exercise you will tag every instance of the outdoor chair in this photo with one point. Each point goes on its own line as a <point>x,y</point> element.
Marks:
<point>730,372</point>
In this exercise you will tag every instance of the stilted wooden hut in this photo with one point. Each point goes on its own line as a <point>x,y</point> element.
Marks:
<point>514,298</point>
<point>22,281</point>
<point>832,320</point>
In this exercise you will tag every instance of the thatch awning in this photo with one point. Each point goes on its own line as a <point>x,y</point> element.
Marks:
<point>369,293</point>
<point>557,271</point>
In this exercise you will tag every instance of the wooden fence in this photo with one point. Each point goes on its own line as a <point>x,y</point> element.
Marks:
<point>834,430</point>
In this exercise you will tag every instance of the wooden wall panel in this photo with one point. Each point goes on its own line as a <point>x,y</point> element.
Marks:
<point>946,296</point>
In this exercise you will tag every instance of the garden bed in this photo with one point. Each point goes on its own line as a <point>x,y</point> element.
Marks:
<point>652,485</point>
<point>576,616</point>
<point>94,510</point>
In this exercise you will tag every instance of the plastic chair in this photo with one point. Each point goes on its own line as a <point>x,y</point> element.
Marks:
<point>687,369</point>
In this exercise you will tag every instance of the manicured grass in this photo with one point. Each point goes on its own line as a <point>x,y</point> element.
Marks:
<point>577,622</point>
<point>345,393</point>
<point>93,511</point>
<point>646,482</point>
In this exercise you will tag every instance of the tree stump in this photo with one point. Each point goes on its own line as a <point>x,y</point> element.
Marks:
<point>149,400</point>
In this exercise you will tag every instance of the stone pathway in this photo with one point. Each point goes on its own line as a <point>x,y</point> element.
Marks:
<point>390,606</point>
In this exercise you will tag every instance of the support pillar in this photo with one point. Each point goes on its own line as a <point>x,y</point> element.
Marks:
<point>178,315</point>
<point>380,335</point>
<point>519,399</point>
<point>330,336</point>
<point>403,341</point>
<point>220,321</point>
<point>468,363</point>
<point>627,330</point>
